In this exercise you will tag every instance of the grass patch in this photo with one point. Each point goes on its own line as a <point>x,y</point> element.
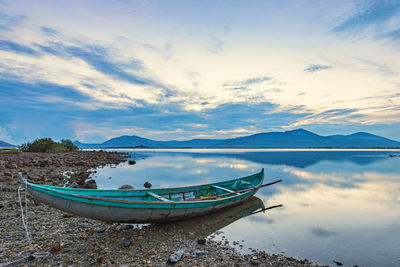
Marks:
<point>10,151</point>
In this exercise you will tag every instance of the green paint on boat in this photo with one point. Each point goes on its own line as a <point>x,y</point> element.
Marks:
<point>147,205</point>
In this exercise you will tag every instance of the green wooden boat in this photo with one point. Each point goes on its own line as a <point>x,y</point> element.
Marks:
<point>148,205</point>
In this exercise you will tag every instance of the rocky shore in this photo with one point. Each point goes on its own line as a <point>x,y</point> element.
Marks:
<point>75,241</point>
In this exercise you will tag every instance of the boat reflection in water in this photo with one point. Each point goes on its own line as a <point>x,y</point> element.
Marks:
<point>203,226</point>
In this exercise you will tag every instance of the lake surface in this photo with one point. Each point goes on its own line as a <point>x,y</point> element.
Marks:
<point>341,205</point>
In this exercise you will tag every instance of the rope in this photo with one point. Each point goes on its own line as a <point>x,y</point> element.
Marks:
<point>26,254</point>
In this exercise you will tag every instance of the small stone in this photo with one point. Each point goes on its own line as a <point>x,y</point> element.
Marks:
<point>338,263</point>
<point>201,241</point>
<point>101,230</point>
<point>56,247</point>
<point>126,187</point>
<point>127,242</point>
<point>175,257</point>
<point>90,184</point>
<point>56,259</point>
<point>31,257</point>
<point>199,253</point>
<point>37,233</point>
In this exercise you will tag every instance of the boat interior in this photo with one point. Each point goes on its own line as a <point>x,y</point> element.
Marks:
<point>189,193</point>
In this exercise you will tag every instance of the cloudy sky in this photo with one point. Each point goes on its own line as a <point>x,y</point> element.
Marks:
<point>93,70</point>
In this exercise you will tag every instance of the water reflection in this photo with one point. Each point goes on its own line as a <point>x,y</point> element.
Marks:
<point>338,205</point>
<point>295,158</point>
<point>202,227</point>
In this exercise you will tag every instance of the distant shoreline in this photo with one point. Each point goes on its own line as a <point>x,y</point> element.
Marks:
<point>271,148</point>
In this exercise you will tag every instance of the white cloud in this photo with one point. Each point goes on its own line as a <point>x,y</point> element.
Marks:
<point>176,58</point>
<point>5,136</point>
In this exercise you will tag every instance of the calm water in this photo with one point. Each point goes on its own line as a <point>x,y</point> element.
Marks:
<point>338,205</point>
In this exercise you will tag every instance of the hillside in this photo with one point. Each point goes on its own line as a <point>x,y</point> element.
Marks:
<point>5,144</point>
<point>299,138</point>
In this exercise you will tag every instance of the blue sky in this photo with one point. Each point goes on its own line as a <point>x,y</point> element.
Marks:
<point>93,70</point>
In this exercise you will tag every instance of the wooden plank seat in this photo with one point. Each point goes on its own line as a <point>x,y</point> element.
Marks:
<point>158,197</point>
<point>224,189</point>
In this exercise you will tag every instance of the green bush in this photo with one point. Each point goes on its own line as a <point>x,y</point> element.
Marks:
<point>48,145</point>
<point>69,145</point>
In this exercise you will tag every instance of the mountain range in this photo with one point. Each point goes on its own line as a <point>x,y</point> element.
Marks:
<point>299,138</point>
<point>5,144</point>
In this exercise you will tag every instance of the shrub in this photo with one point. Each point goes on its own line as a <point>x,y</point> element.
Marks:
<point>69,145</point>
<point>48,145</point>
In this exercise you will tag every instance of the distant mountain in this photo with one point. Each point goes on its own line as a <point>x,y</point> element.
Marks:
<point>363,139</point>
<point>123,141</point>
<point>131,141</point>
<point>4,144</point>
<point>299,138</point>
<point>289,139</point>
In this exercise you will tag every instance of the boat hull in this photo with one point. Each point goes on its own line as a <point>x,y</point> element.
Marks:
<point>143,214</point>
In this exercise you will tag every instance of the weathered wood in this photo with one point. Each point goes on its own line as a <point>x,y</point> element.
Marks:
<point>224,189</point>
<point>157,196</point>
<point>243,190</point>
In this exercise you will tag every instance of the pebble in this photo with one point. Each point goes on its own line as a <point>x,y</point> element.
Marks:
<point>126,187</point>
<point>56,247</point>
<point>201,241</point>
<point>37,233</point>
<point>127,242</point>
<point>101,230</point>
<point>175,257</point>
<point>90,184</point>
<point>199,253</point>
<point>338,263</point>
